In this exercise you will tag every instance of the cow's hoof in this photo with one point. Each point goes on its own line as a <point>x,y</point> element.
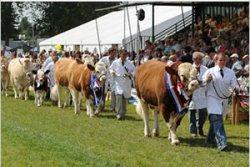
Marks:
<point>39,105</point>
<point>147,135</point>
<point>175,142</point>
<point>155,133</point>
<point>91,116</point>
<point>6,95</point>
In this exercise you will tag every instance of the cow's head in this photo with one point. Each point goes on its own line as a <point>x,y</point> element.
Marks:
<point>25,62</point>
<point>100,70</point>
<point>40,79</point>
<point>186,73</point>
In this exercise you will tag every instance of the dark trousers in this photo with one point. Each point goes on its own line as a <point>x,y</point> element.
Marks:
<point>216,131</point>
<point>120,106</point>
<point>113,101</point>
<point>197,119</point>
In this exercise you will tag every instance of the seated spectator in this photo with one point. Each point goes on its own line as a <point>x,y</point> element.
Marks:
<point>208,59</point>
<point>236,67</point>
<point>186,57</point>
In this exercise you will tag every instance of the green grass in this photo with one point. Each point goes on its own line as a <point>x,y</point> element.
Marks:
<point>50,136</point>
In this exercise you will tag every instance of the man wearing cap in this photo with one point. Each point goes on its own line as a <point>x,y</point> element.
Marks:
<point>236,67</point>
<point>220,82</point>
<point>109,85</point>
<point>122,70</point>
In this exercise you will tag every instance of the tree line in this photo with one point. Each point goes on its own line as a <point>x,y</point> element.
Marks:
<point>48,18</point>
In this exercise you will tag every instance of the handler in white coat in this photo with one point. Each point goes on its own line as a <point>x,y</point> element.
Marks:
<point>220,82</point>
<point>197,106</point>
<point>109,84</point>
<point>123,71</point>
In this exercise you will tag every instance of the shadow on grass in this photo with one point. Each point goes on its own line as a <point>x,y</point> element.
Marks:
<point>200,142</point>
<point>238,137</point>
<point>112,116</point>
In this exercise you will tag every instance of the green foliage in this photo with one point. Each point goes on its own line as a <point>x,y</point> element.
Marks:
<point>58,17</point>
<point>8,21</point>
<point>50,136</point>
<point>25,28</point>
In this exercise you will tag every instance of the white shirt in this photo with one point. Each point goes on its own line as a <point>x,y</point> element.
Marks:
<point>199,98</point>
<point>110,79</point>
<point>223,86</point>
<point>46,62</point>
<point>122,84</point>
<point>51,67</point>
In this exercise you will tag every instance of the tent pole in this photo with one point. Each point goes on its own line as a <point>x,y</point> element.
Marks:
<point>98,36</point>
<point>130,30</point>
<point>153,23</point>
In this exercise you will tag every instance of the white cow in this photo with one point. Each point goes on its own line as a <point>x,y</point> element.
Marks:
<point>20,71</point>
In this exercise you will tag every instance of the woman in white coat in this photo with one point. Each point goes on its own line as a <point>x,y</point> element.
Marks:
<point>123,71</point>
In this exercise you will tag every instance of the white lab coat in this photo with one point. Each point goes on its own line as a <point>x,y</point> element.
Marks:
<point>122,84</point>
<point>199,98</point>
<point>110,78</point>
<point>224,87</point>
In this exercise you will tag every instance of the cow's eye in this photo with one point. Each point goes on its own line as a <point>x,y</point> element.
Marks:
<point>98,72</point>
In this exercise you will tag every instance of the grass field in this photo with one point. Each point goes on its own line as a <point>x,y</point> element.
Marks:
<point>50,136</point>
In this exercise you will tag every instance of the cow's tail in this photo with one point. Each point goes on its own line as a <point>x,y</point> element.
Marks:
<point>139,109</point>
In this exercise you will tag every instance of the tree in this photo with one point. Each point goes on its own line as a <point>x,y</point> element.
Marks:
<point>58,17</point>
<point>25,28</point>
<point>8,21</point>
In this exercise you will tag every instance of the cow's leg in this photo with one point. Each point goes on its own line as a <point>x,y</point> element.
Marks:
<point>67,100</point>
<point>36,98</point>
<point>26,93</point>
<point>75,96</point>
<point>89,106</point>
<point>172,128</point>
<point>155,131</point>
<point>58,89</point>
<point>143,107</point>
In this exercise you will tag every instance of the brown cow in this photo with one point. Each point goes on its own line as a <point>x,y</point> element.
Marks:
<point>151,90</point>
<point>75,75</point>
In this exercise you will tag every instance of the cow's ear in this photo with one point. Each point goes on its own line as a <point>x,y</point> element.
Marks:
<point>34,72</point>
<point>79,61</point>
<point>46,72</point>
<point>91,67</point>
<point>172,68</point>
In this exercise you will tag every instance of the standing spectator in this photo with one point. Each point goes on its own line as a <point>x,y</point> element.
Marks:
<point>123,72</point>
<point>220,81</point>
<point>197,107</point>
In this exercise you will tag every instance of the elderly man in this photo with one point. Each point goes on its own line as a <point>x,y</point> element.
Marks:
<point>220,82</point>
<point>197,107</point>
<point>109,85</point>
<point>123,72</point>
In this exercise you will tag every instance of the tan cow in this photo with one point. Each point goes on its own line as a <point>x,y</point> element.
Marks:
<point>20,71</point>
<point>152,92</point>
<point>76,76</point>
<point>5,78</point>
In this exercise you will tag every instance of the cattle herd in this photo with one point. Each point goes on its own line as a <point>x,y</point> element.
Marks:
<point>76,76</point>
